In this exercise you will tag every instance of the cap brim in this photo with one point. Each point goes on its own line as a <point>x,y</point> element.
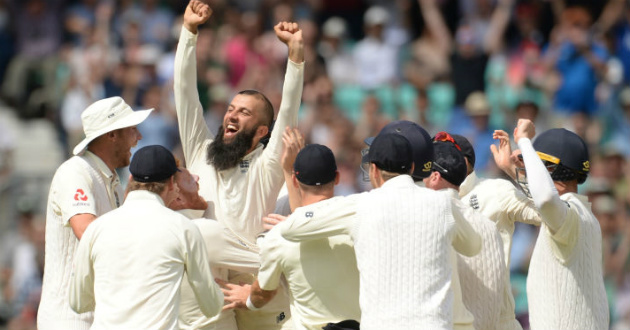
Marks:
<point>132,120</point>
<point>369,140</point>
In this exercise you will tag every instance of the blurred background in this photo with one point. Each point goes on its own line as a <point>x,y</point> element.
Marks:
<point>464,66</point>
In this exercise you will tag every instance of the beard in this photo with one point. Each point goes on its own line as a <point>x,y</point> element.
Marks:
<point>223,155</point>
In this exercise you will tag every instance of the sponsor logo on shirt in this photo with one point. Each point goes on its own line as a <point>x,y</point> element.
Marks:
<point>280,317</point>
<point>80,195</point>
<point>81,198</point>
<point>309,214</point>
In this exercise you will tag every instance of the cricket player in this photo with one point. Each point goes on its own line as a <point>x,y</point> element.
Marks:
<point>565,283</point>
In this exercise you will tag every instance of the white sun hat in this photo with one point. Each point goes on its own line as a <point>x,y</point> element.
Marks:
<point>107,115</point>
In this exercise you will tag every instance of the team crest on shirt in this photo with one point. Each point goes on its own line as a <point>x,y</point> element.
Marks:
<point>474,202</point>
<point>81,198</point>
<point>309,214</point>
<point>244,165</point>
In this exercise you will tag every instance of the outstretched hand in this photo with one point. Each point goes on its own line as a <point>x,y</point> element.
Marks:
<point>196,14</point>
<point>291,35</point>
<point>503,154</point>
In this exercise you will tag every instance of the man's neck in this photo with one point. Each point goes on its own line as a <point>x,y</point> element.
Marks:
<point>104,156</point>
<point>308,199</point>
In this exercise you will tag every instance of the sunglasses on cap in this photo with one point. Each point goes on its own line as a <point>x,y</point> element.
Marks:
<point>549,161</point>
<point>445,137</point>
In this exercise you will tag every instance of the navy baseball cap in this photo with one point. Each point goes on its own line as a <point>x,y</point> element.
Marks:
<point>152,164</point>
<point>449,162</point>
<point>467,148</point>
<point>420,140</point>
<point>315,165</point>
<point>391,152</point>
<point>562,147</point>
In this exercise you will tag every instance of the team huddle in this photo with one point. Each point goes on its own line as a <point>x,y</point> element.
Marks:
<point>220,244</point>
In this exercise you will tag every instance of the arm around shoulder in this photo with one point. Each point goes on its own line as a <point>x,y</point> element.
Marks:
<point>335,216</point>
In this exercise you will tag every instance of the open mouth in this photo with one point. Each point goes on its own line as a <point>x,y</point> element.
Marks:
<point>230,130</point>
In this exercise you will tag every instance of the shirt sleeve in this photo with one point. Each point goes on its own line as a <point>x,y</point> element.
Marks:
<point>270,260</point>
<point>207,292</point>
<point>81,293</point>
<point>519,207</point>
<point>335,216</point>
<point>466,240</point>
<point>287,117</point>
<point>193,130</point>
<point>75,195</point>
<point>565,238</point>
<point>552,209</point>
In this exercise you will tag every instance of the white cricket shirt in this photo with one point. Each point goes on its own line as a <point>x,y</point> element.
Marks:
<point>82,184</point>
<point>322,276</point>
<point>402,235</point>
<point>238,197</point>
<point>130,264</point>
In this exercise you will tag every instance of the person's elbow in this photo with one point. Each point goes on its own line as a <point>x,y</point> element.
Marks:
<point>544,200</point>
<point>210,309</point>
<point>470,246</point>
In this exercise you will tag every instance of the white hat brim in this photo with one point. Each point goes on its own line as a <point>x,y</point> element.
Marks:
<point>132,120</point>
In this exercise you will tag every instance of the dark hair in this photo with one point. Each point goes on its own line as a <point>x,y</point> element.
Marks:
<point>527,104</point>
<point>268,113</point>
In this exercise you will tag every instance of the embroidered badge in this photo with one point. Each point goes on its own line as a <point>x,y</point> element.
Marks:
<point>244,165</point>
<point>474,202</point>
<point>427,167</point>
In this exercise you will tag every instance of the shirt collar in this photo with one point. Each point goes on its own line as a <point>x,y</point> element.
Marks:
<point>256,151</point>
<point>583,199</point>
<point>143,195</point>
<point>99,164</point>
<point>399,181</point>
<point>191,214</point>
<point>469,183</point>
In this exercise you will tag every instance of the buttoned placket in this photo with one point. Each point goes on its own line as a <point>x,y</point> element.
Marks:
<point>115,186</point>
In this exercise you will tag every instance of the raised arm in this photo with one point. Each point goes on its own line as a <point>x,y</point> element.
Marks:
<point>503,153</point>
<point>293,142</point>
<point>435,24</point>
<point>498,23</point>
<point>291,35</point>
<point>544,193</point>
<point>192,126</point>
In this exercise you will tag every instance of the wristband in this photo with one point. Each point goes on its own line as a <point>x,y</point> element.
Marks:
<point>250,305</point>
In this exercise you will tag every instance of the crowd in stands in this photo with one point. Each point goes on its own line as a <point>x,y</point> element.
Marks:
<point>464,66</point>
